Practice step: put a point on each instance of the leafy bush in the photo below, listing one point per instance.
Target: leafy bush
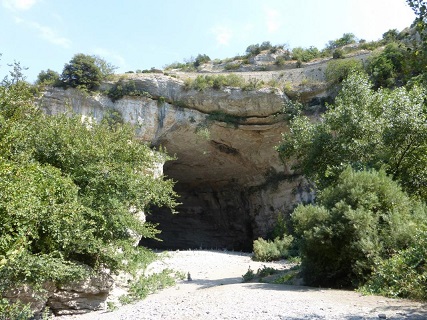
(201, 59)
(203, 82)
(267, 250)
(347, 38)
(389, 66)
(404, 274)
(146, 285)
(338, 70)
(81, 72)
(70, 192)
(126, 88)
(48, 78)
(305, 55)
(14, 311)
(253, 49)
(364, 128)
(338, 54)
(364, 217)
(232, 66)
(249, 275)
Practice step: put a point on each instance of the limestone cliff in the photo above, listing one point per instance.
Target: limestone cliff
(230, 179)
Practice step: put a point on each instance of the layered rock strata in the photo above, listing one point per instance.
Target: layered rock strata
(231, 182)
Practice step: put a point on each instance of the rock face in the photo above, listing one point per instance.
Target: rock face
(76, 298)
(231, 182)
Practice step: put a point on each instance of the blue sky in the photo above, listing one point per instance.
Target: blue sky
(140, 34)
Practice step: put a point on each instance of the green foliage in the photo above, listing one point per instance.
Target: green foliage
(232, 66)
(203, 82)
(113, 118)
(106, 68)
(225, 117)
(267, 250)
(363, 217)
(390, 66)
(305, 55)
(146, 285)
(48, 78)
(280, 227)
(390, 35)
(365, 128)
(70, 193)
(14, 311)
(201, 59)
(126, 88)
(347, 38)
(338, 54)
(253, 49)
(249, 275)
(404, 274)
(338, 70)
(81, 72)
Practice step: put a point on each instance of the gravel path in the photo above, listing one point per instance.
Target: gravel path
(217, 292)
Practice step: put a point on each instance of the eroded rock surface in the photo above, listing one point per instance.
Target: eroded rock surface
(231, 181)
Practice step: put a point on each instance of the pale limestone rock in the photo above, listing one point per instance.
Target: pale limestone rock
(82, 296)
(231, 181)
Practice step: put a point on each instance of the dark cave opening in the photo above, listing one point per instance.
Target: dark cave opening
(210, 217)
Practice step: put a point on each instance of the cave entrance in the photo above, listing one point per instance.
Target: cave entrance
(221, 178)
(210, 217)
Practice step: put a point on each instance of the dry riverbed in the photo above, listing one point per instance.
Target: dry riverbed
(217, 292)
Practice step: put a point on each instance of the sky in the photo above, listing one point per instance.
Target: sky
(141, 34)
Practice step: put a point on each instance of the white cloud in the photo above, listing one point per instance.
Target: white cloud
(273, 20)
(222, 34)
(46, 33)
(19, 4)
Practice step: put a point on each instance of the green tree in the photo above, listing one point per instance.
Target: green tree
(305, 55)
(364, 128)
(253, 49)
(201, 59)
(363, 218)
(347, 38)
(107, 69)
(338, 70)
(390, 35)
(71, 193)
(81, 72)
(390, 66)
(48, 77)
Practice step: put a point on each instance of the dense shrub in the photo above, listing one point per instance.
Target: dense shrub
(203, 82)
(232, 66)
(305, 55)
(269, 250)
(48, 78)
(201, 59)
(338, 70)
(404, 274)
(389, 66)
(81, 72)
(338, 54)
(365, 128)
(126, 88)
(70, 192)
(347, 38)
(364, 217)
